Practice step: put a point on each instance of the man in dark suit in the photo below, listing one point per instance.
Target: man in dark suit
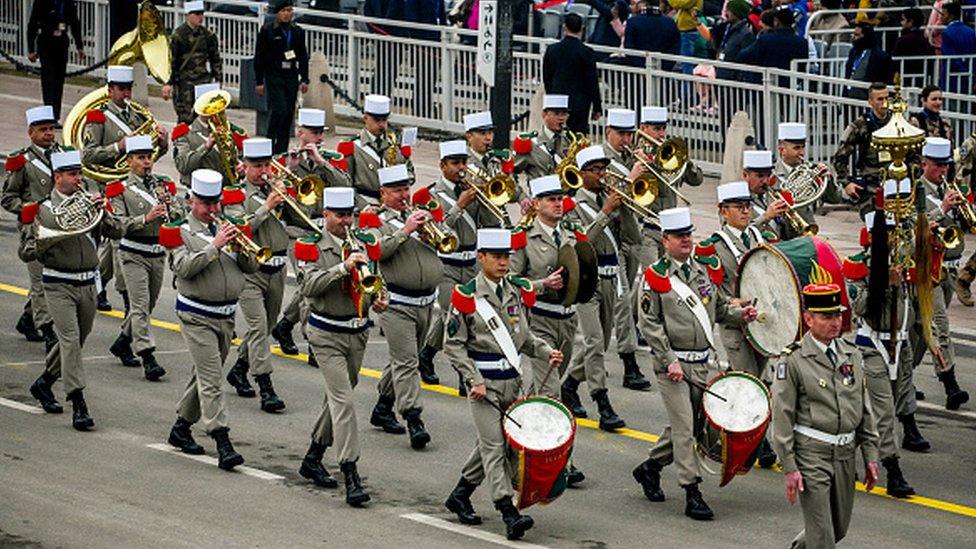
(776, 48)
(50, 24)
(650, 30)
(569, 68)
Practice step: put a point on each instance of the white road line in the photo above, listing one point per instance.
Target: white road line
(468, 531)
(249, 471)
(942, 409)
(20, 406)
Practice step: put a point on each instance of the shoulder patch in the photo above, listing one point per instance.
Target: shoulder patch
(95, 116)
(15, 163)
(705, 248)
(525, 289)
(713, 267)
(856, 267)
(462, 298)
(656, 279)
(179, 131)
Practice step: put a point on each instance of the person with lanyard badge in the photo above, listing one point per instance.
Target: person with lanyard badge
(281, 70)
(196, 147)
(940, 203)
(28, 181)
(371, 150)
(50, 23)
(465, 214)
(263, 290)
(209, 268)
(70, 277)
(411, 271)
(479, 132)
(887, 363)
(736, 237)
(679, 304)
(192, 48)
(619, 134)
(757, 171)
(535, 256)
(486, 334)
(538, 154)
(930, 117)
(308, 159)
(607, 227)
(855, 150)
(821, 414)
(141, 257)
(338, 328)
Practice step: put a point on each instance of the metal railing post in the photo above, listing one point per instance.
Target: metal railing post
(352, 62)
(768, 111)
(447, 82)
(652, 93)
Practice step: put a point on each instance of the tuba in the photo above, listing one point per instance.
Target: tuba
(76, 214)
(213, 105)
(148, 43)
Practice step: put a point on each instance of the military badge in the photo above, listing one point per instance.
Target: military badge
(453, 323)
(781, 370)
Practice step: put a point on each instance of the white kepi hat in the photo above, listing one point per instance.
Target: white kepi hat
(377, 105)
(138, 143)
(622, 119)
(494, 240)
(119, 74)
(392, 176)
(590, 154)
(256, 148)
(676, 220)
(550, 101)
(736, 191)
(195, 6)
(206, 184)
(478, 121)
(545, 186)
(39, 115)
(654, 115)
(757, 160)
(792, 131)
(66, 160)
(938, 149)
(311, 118)
(339, 198)
(453, 148)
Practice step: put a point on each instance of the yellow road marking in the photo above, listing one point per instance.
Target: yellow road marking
(931, 503)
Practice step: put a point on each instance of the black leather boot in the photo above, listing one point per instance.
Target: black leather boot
(282, 334)
(462, 387)
(633, 378)
(765, 455)
(384, 418)
(355, 493)
(913, 441)
(41, 390)
(122, 349)
(516, 524)
(311, 359)
(153, 371)
(125, 301)
(574, 476)
(419, 437)
(459, 502)
(237, 377)
(181, 437)
(312, 467)
(898, 487)
(695, 506)
(102, 303)
(80, 419)
(269, 399)
(570, 397)
(25, 325)
(426, 359)
(955, 397)
(227, 457)
(50, 336)
(648, 475)
(609, 420)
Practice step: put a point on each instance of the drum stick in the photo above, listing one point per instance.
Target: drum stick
(551, 368)
(697, 385)
(497, 407)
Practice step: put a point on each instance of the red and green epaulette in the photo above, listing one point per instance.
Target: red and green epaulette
(170, 235)
(712, 265)
(370, 220)
(114, 188)
(507, 159)
(519, 237)
(577, 228)
(232, 194)
(370, 242)
(706, 248)
(306, 248)
(28, 212)
(568, 204)
(462, 298)
(523, 143)
(423, 199)
(346, 148)
(239, 134)
(525, 289)
(15, 162)
(656, 276)
(95, 116)
(710, 241)
(769, 236)
(179, 131)
(856, 266)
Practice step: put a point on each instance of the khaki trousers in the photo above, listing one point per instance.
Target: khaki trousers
(559, 334)
(827, 498)
(38, 303)
(144, 279)
(208, 340)
(624, 321)
(260, 302)
(73, 311)
(742, 357)
(108, 264)
(880, 389)
(405, 327)
(593, 335)
(339, 356)
(489, 459)
(677, 442)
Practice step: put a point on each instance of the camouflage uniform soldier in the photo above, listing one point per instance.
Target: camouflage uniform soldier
(855, 146)
(966, 164)
(192, 46)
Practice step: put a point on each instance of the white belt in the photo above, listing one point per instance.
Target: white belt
(500, 364)
(422, 301)
(148, 248)
(276, 261)
(608, 270)
(81, 277)
(842, 439)
(866, 331)
(353, 323)
(691, 356)
(226, 310)
(952, 263)
(460, 256)
(554, 308)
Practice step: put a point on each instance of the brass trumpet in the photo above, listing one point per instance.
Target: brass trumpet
(444, 242)
(369, 282)
(637, 195)
(493, 193)
(261, 254)
(965, 210)
(567, 170)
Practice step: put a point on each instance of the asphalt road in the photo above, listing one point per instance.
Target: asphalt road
(116, 487)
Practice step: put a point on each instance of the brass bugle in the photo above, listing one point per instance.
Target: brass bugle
(445, 243)
(261, 254)
(369, 282)
(793, 217)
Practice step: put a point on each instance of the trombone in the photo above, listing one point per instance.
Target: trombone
(444, 242)
(309, 188)
(637, 195)
(493, 193)
(261, 254)
(671, 159)
(286, 175)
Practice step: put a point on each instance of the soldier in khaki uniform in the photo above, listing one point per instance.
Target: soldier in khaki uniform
(965, 166)
(791, 152)
(821, 413)
(195, 147)
(539, 154)
(140, 254)
(29, 180)
(308, 159)
(371, 150)
(940, 203)
(489, 361)
(264, 290)
(608, 226)
(411, 271)
(192, 47)
(679, 305)
(209, 269)
(887, 365)
(338, 329)
(855, 149)
(479, 133)
(70, 278)
(757, 171)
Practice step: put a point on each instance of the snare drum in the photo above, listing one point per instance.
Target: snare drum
(736, 426)
(542, 445)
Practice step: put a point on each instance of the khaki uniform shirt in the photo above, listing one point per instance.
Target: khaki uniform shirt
(32, 182)
(139, 197)
(326, 283)
(406, 261)
(77, 252)
(622, 224)
(191, 152)
(538, 259)
(934, 193)
(204, 273)
(101, 138)
(369, 155)
(548, 150)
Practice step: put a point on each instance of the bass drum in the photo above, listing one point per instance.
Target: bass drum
(774, 276)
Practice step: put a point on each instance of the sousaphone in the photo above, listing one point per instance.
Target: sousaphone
(149, 43)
